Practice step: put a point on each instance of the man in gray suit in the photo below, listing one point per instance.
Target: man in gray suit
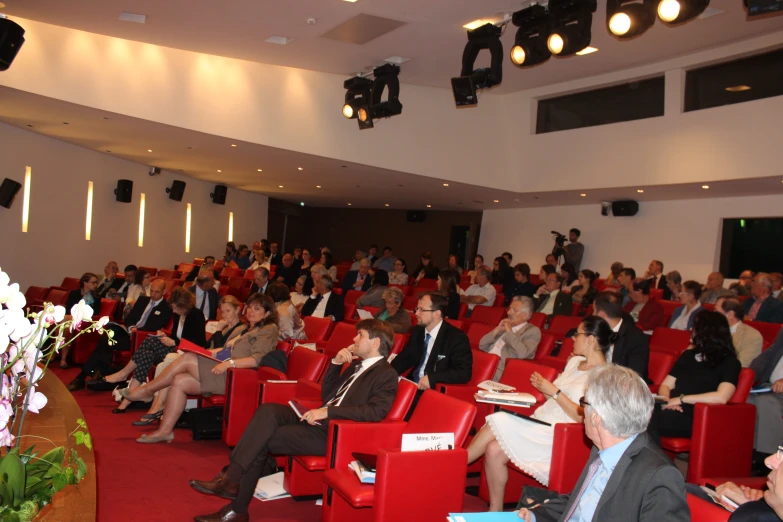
(514, 337)
(628, 477)
(746, 339)
(769, 406)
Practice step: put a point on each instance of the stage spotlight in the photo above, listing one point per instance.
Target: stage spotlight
(571, 21)
(386, 76)
(677, 12)
(357, 94)
(530, 42)
(627, 19)
(464, 87)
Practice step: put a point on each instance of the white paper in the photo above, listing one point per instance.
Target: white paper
(492, 386)
(212, 327)
(427, 441)
(270, 487)
(515, 397)
(309, 346)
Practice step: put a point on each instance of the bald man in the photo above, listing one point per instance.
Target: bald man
(713, 289)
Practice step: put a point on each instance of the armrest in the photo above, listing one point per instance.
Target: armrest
(463, 392)
(347, 436)
(265, 373)
(751, 482)
(321, 345)
(704, 511)
(282, 392)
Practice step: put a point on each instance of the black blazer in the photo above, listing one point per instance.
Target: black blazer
(350, 279)
(214, 300)
(75, 296)
(632, 348)
(562, 303)
(115, 285)
(368, 399)
(276, 259)
(289, 275)
(644, 487)
(667, 294)
(254, 289)
(450, 362)
(334, 306)
(192, 330)
(765, 363)
(158, 318)
(452, 308)
(771, 310)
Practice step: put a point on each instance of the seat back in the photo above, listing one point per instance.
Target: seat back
(169, 274)
(429, 284)
(35, 295)
(660, 365)
(406, 391)
(566, 349)
(306, 364)
(342, 336)
(185, 268)
(538, 319)
(570, 451)
(545, 346)
(487, 314)
(453, 322)
(57, 296)
(400, 340)
(70, 283)
(152, 271)
(656, 294)
(170, 284)
(228, 273)
(351, 296)
(410, 303)
(705, 511)
(769, 331)
(316, 328)
(517, 373)
(670, 340)
(744, 384)
(669, 306)
(476, 331)
(561, 324)
(371, 309)
(439, 413)
(484, 367)
(108, 306)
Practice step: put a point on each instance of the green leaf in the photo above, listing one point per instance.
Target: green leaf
(13, 476)
(81, 469)
(79, 436)
(54, 457)
(88, 441)
(59, 481)
(70, 476)
(81, 423)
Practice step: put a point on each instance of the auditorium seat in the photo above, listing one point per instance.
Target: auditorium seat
(429, 284)
(453, 322)
(670, 340)
(169, 274)
(152, 271)
(545, 345)
(476, 331)
(431, 482)
(656, 294)
(349, 314)
(70, 283)
(198, 261)
(769, 331)
(185, 269)
(219, 264)
(342, 270)
(538, 319)
(410, 303)
(669, 306)
(58, 296)
(317, 328)
(559, 361)
(706, 511)
(351, 296)
(170, 284)
(341, 337)
(659, 367)
(250, 274)
(403, 288)
(484, 367)
(227, 273)
(400, 340)
(561, 324)
(239, 287)
(35, 296)
(85, 344)
(487, 314)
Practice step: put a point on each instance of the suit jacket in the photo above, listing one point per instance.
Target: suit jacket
(350, 279)
(276, 259)
(254, 289)
(771, 310)
(764, 364)
(368, 399)
(667, 294)
(650, 316)
(214, 299)
(76, 295)
(632, 348)
(519, 345)
(562, 303)
(334, 307)
(450, 361)
(747, 342)
(114, 285)
(158, 318)
(192, 330)
(644, 487)
(289, 275)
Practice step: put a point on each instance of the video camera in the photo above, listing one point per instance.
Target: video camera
(560, 239)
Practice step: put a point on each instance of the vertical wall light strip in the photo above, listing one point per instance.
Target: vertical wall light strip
(187, 231)
(28, 178)
(141, 219)
(230, 226)
(88, 224)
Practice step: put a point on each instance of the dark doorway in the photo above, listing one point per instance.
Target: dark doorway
(459, 241)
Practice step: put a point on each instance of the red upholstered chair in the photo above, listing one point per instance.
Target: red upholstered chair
(431, 482)
(169, 274)
(487, 315)
(670, 340)
(476, 331)
(400, 340)
(35, 296)
(545, 345)
(351, 296)
(250, 274)
(152, 271)
(170, 284)
(341, 337)
(239, 287)
(349, 314)
(227, 273)
(85, 344)
(371, 309)
(453, 322)
(70, 283)
(219, 264)
(198, 261)
(769, 331)
(538, 319)
(656, 294)
(342, 270)
(484, 367)
(659, 367)
(705, 511)
(559, 361)
(410, 303)
(317, 328)
(188, 284)
(722, 440)
(404, 288)
(304, 474)
(428, 284)
(669, 306)
(561, 324)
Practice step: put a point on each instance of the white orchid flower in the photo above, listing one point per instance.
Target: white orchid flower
(101, 323)
(52, 314)
(35, 400)
(81, 311)
(16, 299)
(6, 412)
(6, 439)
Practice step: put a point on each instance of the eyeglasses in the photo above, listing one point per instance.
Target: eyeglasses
(423, 310)
(583, 402)
(686, 293)
(577, 334)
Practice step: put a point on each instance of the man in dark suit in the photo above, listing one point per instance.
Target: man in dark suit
(324, 302)
(656, 278)
(260, 281)
(550, 300)
(632, 348)
(109, 280)
(275, 257)
(768, 368)
(437, 352)
(364, 393)
(762, 306)
(149, 314)
(358, 279)
(651, 314)
(754, 505)
(287, 272)
(209, 264)
(207, 298)
(628, 477)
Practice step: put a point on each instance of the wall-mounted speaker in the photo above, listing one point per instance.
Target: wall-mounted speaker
(219, 196)
(8, 191)
(625, 208)
(177, 190)
(11, 39)
(154, 171)
(416, 216)
(124, 190)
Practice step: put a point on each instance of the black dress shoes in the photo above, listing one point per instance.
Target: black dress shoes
(76, 384)
(220, 486)
(224, 515)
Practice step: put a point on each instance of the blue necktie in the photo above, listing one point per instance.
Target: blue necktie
(145, 315)
(423, 361)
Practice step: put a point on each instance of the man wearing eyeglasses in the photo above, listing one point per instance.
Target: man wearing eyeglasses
(514, 337)
(628, 477)
(207, 298)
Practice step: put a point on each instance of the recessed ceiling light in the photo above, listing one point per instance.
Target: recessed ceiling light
(149, 150)
(300, 168)
(259, 170)
(29, 125)
(131, 17)
(280, 186)
(233, 144)
(496, 201)
(396, 60)
(429, 206)
(220, 170)
(279, 40)
(105, 117)
(639, 191)
(385, 204)
(738, 88)
(318, 186)
(349, 204)
(475, 24)
(587, 50)
(705, 187)
(445, 184)
(583, 195)
(65, 123)
(301, 203)
(352, 1)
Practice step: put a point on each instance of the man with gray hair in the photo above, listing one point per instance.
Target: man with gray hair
(514, 337)
(324, 302)
(359, 279)
(482, 293)
(713, 289)
(762, 306)
(628, 476)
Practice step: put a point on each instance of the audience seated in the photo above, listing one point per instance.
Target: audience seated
(478, 262)
(550, 300)
(324, 302)
(209, 264)
(328, 264)
(656, 278)
(372, 254)
(674, 283)
(584, 293)
(298, 297)
(683, 316)
(522, 285)
(551, 260)
(287, 272)
(743, 284)
(768, 368)
(230, 253)
(648, 313)
(762, 306)
(359, 279)
(508, 257)
(448, 286)
(364, 392)
(529, 444)
(140, 287)
(747, 340)
(260, 281)
(289, 324)
(120, 293)
(305, 263)
(706, 372)
(88, 284)
(109, 281)
(626, 279)
(777, 285)
(357, 256)
(502, 274)
(632, 348)
(317, 271)
(756, 505)
(426, 269)
(242, 258)
(374, 295)
(275, 257)
(391, 311)
(713, 289)
(628, 477)
(400, 274)
(195, 375)
(386, 262)
(453, 264)
(259, 260)
(569, 276)
(481, 293)
(514, 337)
(207, 298)
(614, 273)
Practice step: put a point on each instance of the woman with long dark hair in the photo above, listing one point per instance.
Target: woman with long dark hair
(447, 285)
(570, 277)
(426, 269)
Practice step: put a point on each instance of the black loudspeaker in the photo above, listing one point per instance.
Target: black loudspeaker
(625, 208)
(11, 39)
(416, 216)
(177, 190)
(219, 196)
(8, 191)
(124, 190)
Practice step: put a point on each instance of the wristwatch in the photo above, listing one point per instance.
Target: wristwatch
(557, 394)
(233, 364)
(682, 399)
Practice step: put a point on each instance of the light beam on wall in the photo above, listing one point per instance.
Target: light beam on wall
(141, 219)
(230, 226)
(88, 223)
(187, 231)
(28, 178)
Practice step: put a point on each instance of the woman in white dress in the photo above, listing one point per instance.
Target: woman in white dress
(526, 443)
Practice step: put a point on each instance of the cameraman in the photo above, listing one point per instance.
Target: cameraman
(575, 250)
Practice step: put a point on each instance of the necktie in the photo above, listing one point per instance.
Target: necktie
(344, 388)
(423, 362)
(590, 473)
(544, 299)
(203, 301)
(145, 315)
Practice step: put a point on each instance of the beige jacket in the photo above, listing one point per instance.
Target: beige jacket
(519, 345)
(747, 341)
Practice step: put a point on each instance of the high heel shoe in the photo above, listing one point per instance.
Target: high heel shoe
(144, 439)
(148, 418)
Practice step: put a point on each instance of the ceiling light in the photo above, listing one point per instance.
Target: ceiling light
(220, 170)
(571, 23)
(497, 201)
(429, 206)
(587, 50)
(486, 36)
(233, 144)
(676, 12)
(357, 95)
(301, 203)
(279, 40)
(738, 88)
(475, 24)
(352, 1)
(583, 195)
(445, 184)
(260, 170)
(280, 186)
(131, 17)
(349, 204)
(386, 78)
(385, 204)
(705, 187)
(300, 168)
(318, 186)
(149, 150)
(530, 41)
(640, 191)
(627, 19)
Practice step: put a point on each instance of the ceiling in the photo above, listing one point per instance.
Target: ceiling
(200, 156)
(432, 35)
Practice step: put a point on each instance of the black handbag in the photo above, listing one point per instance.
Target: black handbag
(532, 496)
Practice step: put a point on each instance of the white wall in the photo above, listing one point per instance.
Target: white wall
(55, 245)
(685, 234)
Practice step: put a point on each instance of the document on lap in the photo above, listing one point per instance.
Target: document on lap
(187, 346)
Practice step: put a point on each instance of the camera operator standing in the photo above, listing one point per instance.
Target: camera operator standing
(575, 250)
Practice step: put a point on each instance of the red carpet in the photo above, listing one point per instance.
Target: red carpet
(149, 482)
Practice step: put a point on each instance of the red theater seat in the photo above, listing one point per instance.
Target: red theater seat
(152, 271)
(769, 331)
(317, 328)
(561, 324)
(70, 283)
(351, 296)
(670, 340)
(545, 346)
(341, 337)
(538, 320)
(705, 511)
(659, 367)
(484, 367)
(476, 331)
(487, 315)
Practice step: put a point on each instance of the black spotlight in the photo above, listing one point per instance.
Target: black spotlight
(11, 39)
(626, 19)
(386, 77)
(464, 87)
(530, 42)
(358, 91)
(571, 21)
(677, 12)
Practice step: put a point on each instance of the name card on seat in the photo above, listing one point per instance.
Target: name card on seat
(427, 441)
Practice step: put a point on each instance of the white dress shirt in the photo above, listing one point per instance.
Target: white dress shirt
(201, 295)
(365, 364)
(433, 335)
(549, 307)
(611, 348)
(321, 308)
